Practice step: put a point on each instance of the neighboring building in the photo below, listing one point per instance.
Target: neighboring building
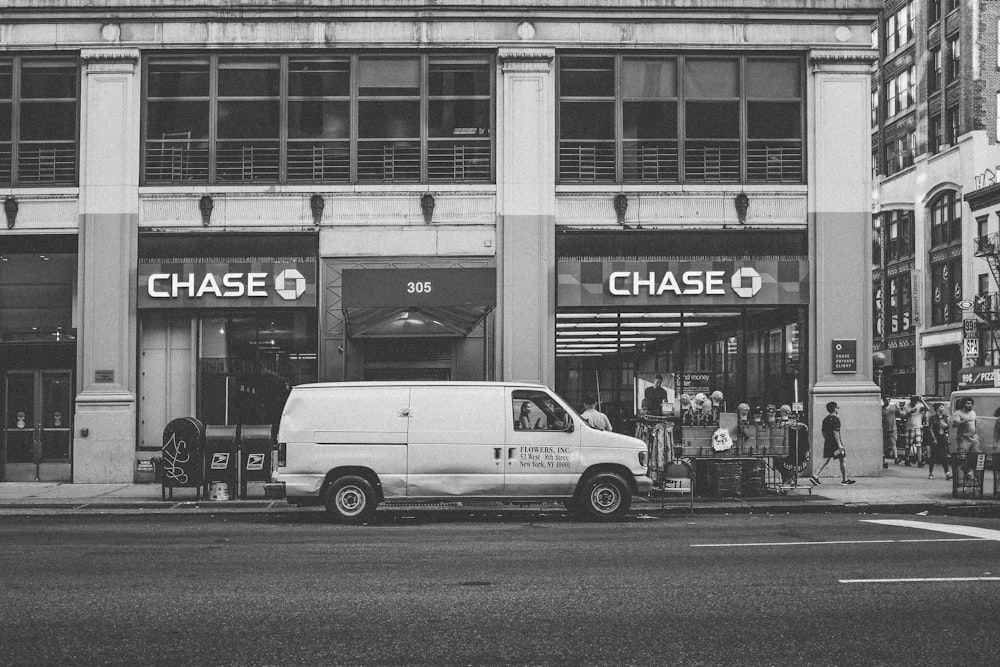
(206, 205)
(936, 96)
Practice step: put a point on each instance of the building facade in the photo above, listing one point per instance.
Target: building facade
(207, 206)
(936, 102)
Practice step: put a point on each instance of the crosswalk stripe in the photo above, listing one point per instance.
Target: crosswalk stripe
(968, 531)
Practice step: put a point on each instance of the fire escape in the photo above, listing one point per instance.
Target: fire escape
(987, 304)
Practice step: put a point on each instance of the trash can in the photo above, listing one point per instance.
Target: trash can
(221, 462)
(256, 444)
(182, 456)
(967, 471)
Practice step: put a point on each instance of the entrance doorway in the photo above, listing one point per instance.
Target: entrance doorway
(37, 427)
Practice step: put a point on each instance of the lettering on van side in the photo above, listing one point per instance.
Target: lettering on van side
(545, 457)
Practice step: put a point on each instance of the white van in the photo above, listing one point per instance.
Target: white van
(353, 445)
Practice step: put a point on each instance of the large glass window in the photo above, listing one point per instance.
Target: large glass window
(696, 119)
(38, 121)
(350, 118)
(946, 291)
(900, 92)
(955, 58)
(935, 73)
(946, 219)
(899, 226)
(899, 28)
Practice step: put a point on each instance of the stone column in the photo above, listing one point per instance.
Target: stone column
(840, 239)
(526, 215)
(109, 207)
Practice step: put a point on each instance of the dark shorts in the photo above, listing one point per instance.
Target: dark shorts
(829, 448)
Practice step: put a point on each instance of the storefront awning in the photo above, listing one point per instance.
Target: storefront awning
(390, 303)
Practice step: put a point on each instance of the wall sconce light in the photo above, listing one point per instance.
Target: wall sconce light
(316, 205)
(742, 205)
(427, 207)
(205, 205)
(621, 205)
(10, 210)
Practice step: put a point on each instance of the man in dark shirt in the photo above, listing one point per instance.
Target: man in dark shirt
(833, 446)
(655, 396)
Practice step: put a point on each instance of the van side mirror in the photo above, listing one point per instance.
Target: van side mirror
(570, 427)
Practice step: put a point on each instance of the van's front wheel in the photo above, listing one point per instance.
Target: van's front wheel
(605, 497)
(351, 499)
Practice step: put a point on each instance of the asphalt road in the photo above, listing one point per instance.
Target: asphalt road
(434, 590)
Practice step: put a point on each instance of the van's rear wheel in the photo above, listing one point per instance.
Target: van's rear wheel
(351, 499)
(604, 497)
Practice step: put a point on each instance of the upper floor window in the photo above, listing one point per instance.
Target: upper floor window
(900, 92)
(38, 121)
(898, 226)
(875, 107)
(935, 132)
(935, 72)
(933, 11)
(899, 28)
(946, 291)
(876, 241)
(954, 125)
(346, 119)
(899, 152)
(955, 55)
(946, 218)
(696, 119)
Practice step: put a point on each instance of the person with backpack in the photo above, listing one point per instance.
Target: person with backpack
(594, 417)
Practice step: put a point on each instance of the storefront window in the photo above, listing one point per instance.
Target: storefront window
(337, 119)
(620, 119)
(38, 121)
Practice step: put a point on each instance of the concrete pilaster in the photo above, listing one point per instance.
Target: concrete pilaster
(840, 235)
(109, 205)
(526, 219)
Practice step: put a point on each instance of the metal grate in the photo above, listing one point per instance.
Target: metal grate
(246, 160)
(170, 160)
(586, 162)
(319, 161)
(774, 163)
(712, 161)
(459, 161)
(650, 161)
(5, 162)
(52, 162)
(388, 161)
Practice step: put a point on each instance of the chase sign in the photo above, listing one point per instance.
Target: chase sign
(239, 283)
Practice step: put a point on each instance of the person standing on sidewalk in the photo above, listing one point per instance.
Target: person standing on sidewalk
(594, 417)
(939, 441)
(890, 433)
(914, 430)
(833, 445)
(964, 421)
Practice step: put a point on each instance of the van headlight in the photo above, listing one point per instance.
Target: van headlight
(643, 456)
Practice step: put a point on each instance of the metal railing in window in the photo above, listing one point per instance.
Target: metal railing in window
(388, 161)
(244, 160)
(460, 161)
(987, 306)
(46, 162)
(313, 160)
(987, 245)
(651, 160)
(175, 158)
(587, 162)
(6, 157)
(712, 161)
(774, 162)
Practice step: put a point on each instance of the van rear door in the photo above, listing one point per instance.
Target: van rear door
(542, 457)
(456, 441)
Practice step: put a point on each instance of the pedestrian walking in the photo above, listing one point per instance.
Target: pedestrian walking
(964, 421)
(938, 425)
(833, 445)
(890, 432)
(594, 417)
(914, 430)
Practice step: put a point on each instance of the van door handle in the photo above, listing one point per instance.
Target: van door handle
(496, 453)
(510, 452)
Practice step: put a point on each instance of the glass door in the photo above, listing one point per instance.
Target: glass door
(37, 427)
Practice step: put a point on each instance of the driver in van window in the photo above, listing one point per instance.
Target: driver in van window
(524, 418)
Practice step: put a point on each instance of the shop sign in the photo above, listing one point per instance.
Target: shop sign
(696, 382)
(413, 288)
(901, 343)
(970, 329)
(227, 282)
(845, 355)
(680, 280)
(970, 348)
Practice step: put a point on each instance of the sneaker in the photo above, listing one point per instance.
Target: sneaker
(930, 476)
(847, 482)
(815, 481)
(947, 475)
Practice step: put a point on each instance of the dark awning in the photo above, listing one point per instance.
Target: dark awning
(384, 303)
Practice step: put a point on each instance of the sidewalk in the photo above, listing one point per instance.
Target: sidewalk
(899, 489)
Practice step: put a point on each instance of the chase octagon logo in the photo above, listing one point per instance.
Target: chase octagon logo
(746, 282)
(290, 284)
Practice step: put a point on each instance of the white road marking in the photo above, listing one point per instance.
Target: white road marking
(807, 544)
(968, 531)
(915, 580)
